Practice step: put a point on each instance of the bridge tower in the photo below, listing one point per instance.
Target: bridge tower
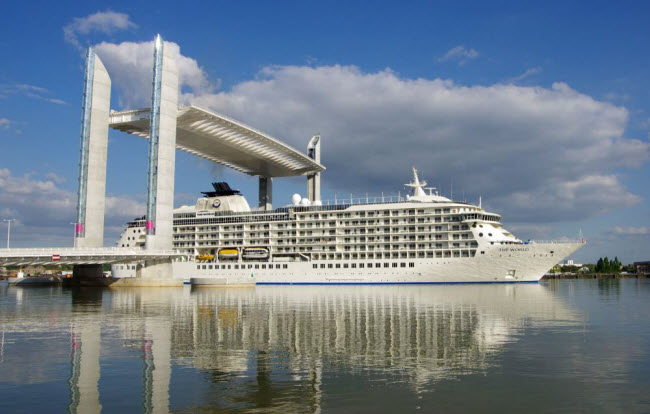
(89, 226)
(162, 159)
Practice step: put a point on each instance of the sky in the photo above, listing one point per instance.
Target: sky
(542, 110)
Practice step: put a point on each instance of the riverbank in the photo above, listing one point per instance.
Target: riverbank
(596, 276)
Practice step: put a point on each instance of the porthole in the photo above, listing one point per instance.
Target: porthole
(490, 234)
(480, 234)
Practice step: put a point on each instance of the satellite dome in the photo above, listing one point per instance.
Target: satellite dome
(295, 199)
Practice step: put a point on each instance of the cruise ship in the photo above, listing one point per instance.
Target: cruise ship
(421, 238)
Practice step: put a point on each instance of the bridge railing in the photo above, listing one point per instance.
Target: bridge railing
(72, 251)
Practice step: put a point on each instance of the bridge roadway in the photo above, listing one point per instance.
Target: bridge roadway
(53, 256)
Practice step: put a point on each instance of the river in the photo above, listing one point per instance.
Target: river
(561, 345)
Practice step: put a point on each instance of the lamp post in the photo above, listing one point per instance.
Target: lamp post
(8, 229)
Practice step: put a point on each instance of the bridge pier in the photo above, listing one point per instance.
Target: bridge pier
(265, 194)
(155, 269)
(88, 275)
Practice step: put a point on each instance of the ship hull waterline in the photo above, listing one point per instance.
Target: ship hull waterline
(525, 263)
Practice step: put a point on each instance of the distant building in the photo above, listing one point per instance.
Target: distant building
(642, 267)
(570, 262)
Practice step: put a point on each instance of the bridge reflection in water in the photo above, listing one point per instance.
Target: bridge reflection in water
(269, 346)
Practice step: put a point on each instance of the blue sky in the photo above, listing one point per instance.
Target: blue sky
(543, 110)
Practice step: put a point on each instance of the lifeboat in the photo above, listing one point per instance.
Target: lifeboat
(228, 254)
(205, 257)
(255, 253)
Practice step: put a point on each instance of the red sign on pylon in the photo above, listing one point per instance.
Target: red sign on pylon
(56, 257)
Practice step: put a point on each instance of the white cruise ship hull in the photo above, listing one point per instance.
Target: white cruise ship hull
(499, 264)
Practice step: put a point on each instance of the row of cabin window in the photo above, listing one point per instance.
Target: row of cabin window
(236, 266)
(360, 265)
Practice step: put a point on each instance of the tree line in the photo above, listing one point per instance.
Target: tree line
(604, 265)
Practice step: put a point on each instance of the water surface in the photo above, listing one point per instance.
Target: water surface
(572, 346)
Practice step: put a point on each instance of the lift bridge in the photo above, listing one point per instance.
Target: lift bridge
(168, 127)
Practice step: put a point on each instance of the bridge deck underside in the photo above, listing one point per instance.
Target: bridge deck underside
(225, 141)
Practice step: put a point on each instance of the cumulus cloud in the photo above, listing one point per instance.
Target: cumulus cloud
(129, 65)
(56, 178)
(459, 54)
(31, 91)
(536, 153)
(569, 199)
(533, 153)
(631, 231)
(105, 22)
(43, 210)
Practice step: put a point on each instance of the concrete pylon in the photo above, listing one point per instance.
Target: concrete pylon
(265, 194)
(313, 180)
(162, 157)
(89, 227)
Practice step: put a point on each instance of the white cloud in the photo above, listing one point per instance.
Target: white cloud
(631, 231)
(618, 97)
(129, 65)
(4, 123)
(569, 199)
(56, 178)
(30, 91)
(459, 54)
(105, 22)
(44, 211)
(536, 154)
(527, 73)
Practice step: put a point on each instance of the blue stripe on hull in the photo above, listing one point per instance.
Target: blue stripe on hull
(395, 283)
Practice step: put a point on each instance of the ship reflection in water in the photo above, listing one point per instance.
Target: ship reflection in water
(281, 348)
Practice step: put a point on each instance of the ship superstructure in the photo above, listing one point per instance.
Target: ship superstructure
(420, 238)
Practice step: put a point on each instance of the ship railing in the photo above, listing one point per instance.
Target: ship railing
(343, 203)
(562, 241)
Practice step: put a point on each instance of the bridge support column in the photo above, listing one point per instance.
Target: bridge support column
(313, 180)
(89, 271)
(162, 158)
(88, 275)
(265, 194)
(89, 227)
